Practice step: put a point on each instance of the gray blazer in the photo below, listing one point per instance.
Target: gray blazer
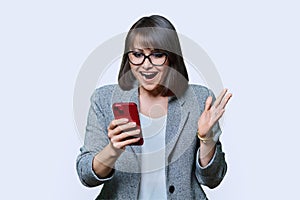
(184, 175)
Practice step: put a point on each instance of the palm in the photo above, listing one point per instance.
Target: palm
(212, 113)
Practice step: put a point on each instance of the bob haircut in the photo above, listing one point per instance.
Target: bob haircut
(156, 32)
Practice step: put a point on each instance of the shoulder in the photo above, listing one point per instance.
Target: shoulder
(195, 97)
(104, 93)
(105, 90)
(198, 93)
(200, 90)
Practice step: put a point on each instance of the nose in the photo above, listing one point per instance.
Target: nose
(147, 64)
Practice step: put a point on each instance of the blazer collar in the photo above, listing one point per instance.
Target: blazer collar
(177, 116)
(133, 95)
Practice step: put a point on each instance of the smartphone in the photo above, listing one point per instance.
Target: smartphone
(129, 110)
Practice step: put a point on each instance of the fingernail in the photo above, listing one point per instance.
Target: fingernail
(132, 123)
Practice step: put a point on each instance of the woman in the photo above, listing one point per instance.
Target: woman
(179, 123)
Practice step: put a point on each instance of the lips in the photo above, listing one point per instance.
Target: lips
(149, 75)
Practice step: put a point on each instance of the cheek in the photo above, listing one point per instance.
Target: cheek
(134, 70)
(133, 67)
(165, 67)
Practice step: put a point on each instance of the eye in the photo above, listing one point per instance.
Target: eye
(137, 54)
(158, 55)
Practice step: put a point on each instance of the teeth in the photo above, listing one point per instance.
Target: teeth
(149, 75)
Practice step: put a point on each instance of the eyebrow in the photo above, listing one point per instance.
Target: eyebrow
(138, 49)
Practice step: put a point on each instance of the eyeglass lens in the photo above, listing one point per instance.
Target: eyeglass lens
(156, 58)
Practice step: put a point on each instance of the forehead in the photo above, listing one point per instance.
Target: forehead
(144, 42)
(153, 38)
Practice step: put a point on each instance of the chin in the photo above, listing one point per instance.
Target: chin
(149, 88)
(154, 90)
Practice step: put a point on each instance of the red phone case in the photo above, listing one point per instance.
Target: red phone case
(128, 110)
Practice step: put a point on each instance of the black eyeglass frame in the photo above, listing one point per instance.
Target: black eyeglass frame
(165, 53)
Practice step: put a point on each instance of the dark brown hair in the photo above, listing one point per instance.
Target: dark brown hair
(156, 32)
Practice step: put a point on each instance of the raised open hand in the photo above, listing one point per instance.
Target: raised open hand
(212, 113)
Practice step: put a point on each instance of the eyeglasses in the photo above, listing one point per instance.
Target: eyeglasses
(155, 58)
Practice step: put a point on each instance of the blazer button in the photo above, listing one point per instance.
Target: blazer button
(171, 189)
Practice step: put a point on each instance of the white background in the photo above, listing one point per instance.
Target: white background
(254, 45)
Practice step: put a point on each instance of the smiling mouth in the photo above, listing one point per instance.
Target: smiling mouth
(149, 75)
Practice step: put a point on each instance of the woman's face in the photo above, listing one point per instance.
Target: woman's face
(148, 74)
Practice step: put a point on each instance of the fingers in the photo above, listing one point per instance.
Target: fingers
(117, 122)
(125, 138)
(219, 114)
(220, 108)
(219, 105)
(220, 97)
(119, 128)
(122, 133)
(222, 100)
(225, 101)
(123, 144)
(208, 103)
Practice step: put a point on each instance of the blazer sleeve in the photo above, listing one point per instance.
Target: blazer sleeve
(95, 140)
(212, 174)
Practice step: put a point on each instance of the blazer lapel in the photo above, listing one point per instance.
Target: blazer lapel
(128, 96)
(131, 156)
(176, 119)
(135, 98)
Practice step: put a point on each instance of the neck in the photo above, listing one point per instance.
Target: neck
(153, 106)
